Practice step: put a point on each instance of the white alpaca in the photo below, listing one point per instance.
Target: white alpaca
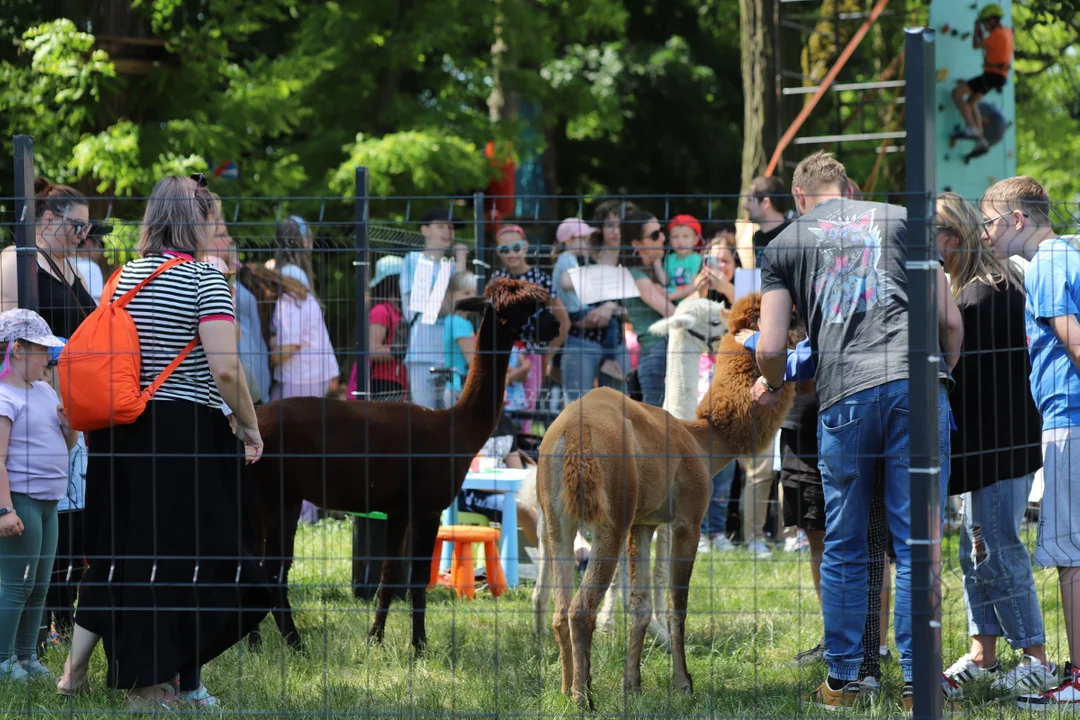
(694, 329)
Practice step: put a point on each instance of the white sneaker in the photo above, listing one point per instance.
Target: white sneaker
(797, 542)
(962, 672)
(35, 669)
(1065, 696)
(702, 544)
(759, 549)
(720, 543)
(199, 698)
(1027, 678)
(10, 669)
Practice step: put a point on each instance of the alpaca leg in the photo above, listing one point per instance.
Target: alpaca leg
(661, 572)
(396, 528)
(542, 592)
(284, 616)
(607, 545)
(560, 556)
(605, 619)
(640, 607)
(684, 550)
(424, 530)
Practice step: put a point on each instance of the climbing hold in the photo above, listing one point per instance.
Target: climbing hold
(947, 188)
(946, 28)
(941, 107)
(943, 74)
(965, 36)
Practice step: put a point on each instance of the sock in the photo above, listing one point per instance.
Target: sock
(835, 684)
(883, 650)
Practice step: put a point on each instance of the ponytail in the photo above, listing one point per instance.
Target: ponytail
(54, 198)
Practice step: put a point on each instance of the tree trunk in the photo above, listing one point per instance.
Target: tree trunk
(759, 97)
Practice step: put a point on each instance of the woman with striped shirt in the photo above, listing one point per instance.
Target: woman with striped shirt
(168, 489)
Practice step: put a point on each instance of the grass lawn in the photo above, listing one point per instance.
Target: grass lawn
(747, 618)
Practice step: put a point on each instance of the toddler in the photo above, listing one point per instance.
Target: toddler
(683, 263)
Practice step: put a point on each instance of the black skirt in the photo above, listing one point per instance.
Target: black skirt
(173, 581)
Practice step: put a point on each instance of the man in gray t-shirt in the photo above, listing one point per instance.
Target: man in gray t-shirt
(843, 265)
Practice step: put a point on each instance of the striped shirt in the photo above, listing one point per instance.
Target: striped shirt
(167, 313)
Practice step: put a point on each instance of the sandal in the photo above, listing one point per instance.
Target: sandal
(163, 700)
(81, 688)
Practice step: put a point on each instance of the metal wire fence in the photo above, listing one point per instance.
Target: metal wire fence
(752, 609)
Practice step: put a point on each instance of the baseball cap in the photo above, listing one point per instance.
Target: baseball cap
(23, 324)
(439, 214)
(386, 266)
(687, 221)
(572, 227)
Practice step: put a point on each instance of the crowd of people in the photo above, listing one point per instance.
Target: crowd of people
(840, 471)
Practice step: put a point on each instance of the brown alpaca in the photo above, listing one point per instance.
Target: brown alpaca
(400, 459)
(622, 468)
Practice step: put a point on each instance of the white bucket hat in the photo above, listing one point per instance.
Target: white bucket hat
(386, 266)
(22, 324)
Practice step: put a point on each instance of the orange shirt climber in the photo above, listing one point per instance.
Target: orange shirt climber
(998, 51)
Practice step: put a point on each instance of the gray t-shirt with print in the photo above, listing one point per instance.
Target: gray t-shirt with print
(844, 264)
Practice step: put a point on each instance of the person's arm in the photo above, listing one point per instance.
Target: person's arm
(218, 339)
(661, 273)
(379, 349)
(773, 341)
(10, 524)
(519, 373)
(70, 436)
(950, 324)
(977, 39)
(286, 329)
(684, 292)
(654, 295)
(1067, 330)
(559, 311)
(467, 345)
(461, 257)
(9, 281)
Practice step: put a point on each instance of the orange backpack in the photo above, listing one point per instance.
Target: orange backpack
(100, 365)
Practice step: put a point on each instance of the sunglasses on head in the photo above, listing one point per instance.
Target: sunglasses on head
(516, 247)
(200, 179)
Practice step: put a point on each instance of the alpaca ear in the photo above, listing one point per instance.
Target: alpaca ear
(665, 326)
(474, 304)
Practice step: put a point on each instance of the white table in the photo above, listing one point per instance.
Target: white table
(502, 480)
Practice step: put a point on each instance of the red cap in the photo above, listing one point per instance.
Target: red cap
(687, 220)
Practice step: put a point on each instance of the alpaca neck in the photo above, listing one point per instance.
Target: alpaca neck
(714, 444)
(478, 409)
(682, 378)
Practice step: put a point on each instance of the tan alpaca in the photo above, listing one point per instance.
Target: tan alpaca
(622, 468)
(693, 330)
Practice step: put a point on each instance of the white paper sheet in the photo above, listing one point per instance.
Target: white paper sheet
(747, 281)
(428, 304)
(597, 283)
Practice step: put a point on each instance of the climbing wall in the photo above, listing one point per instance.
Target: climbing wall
(954, 21)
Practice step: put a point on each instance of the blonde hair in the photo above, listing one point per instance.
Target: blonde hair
(459, 283)
(972, 261)
(177, 217)
(1020, 193)
(818, 171)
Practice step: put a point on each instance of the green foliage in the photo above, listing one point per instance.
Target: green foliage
(413, 163)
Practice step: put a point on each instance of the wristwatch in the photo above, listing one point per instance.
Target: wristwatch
(6, 510)
(769, 387)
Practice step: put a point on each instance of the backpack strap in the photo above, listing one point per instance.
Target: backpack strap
(164, 375)
(114, 280)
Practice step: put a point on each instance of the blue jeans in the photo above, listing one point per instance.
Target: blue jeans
(581, 360)
(715, 521)
(652, 374)
(858, 438)
(999, 587)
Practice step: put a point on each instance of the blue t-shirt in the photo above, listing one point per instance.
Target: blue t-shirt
(456, 327)
(425, 341)
(1052, 283)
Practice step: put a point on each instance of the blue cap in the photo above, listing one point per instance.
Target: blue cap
(54, 352)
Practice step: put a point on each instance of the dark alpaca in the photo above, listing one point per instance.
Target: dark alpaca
(397, 458)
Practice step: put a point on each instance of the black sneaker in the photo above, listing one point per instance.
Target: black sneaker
(813, 656)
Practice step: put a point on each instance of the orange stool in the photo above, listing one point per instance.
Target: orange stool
(461, 573)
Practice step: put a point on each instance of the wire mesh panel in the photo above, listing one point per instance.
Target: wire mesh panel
(504, 480)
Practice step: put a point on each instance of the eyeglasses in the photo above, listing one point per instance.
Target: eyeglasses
(81, 227)
(987, 223)
(516, 247)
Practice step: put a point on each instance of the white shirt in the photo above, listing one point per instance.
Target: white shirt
(92, 277)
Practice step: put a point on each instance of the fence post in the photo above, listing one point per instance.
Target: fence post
(365, 564)
(923, 361)
(481, 250)
(25, 222)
